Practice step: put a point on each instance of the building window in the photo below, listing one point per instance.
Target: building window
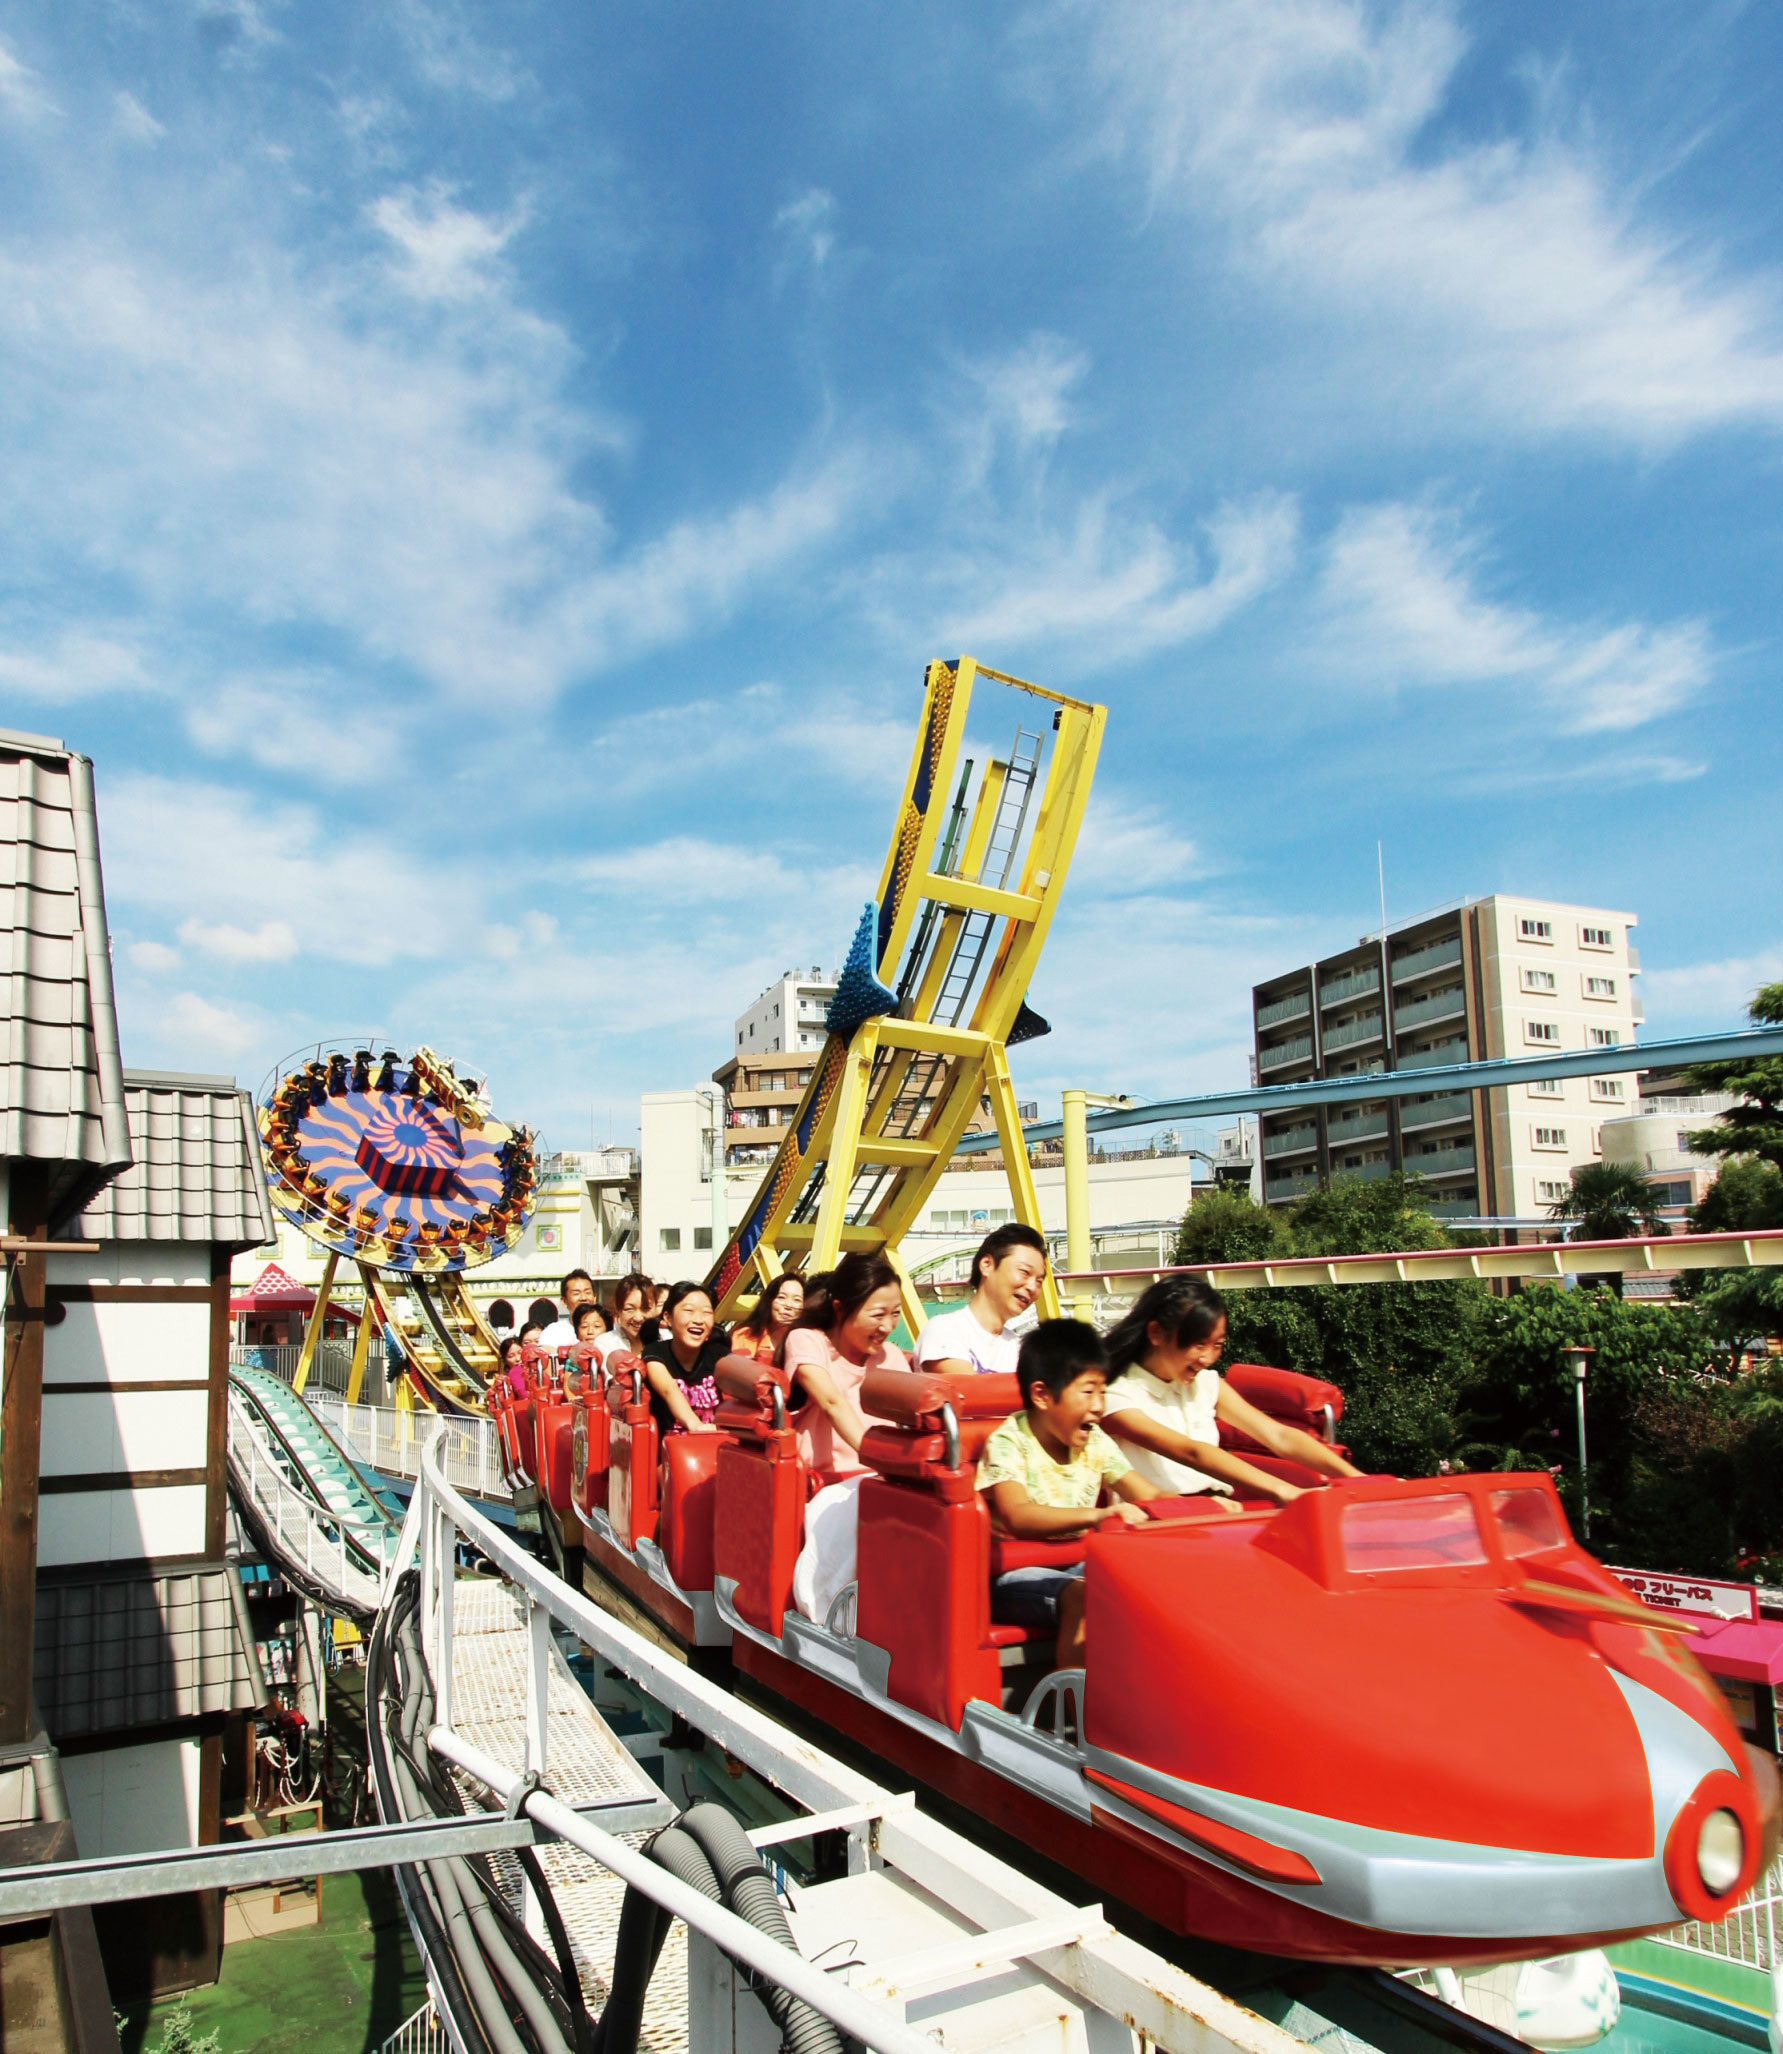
(1538, 980)
(1550, 1137)
(1535, 930)
(1541, 1030)
(1674, 1194)
(1550, 1190)
(1595, 938)
(1600, 987)
(702, 1238)
(1608, 1087)
(1603, 1037)
(1547, 1087)
(668, 1240)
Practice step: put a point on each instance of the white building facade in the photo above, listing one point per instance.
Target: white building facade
(788, 1016)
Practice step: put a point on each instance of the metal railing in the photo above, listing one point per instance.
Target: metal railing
(1748, 1934)
(1440, 1005)
(1351, 985)
(1437, 956)
(420, 2034)
(1298, 1050)
(383, 1438)
(1366, 1027)
(329, 1371)
(1072, 1944)
(1295, 1006)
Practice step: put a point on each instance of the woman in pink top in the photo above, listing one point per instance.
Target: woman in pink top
(841, 1335)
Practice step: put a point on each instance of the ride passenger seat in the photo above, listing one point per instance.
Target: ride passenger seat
(1307, 1402)
(924, 1560)
(760, 1490)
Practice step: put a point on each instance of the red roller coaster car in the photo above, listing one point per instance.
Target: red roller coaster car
(1401, 1722)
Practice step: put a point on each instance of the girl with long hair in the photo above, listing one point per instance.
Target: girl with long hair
(1167, 1401)
(843, 1332)
(681, 1364)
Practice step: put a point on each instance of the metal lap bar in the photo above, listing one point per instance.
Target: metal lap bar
(122, 1878)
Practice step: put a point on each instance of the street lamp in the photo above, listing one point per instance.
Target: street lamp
(1578, 1360)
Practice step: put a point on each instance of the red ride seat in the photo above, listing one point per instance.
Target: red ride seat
(760, 1487)
(687, 1517)
(589, 1453)
(632, 1453)
(925, 1539)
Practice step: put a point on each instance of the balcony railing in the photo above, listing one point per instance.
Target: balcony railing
(1277, 1189)
(1366, 1127)
(1367, 1028)
(1441, 1162)
(1438, 956)
(1452, 1051)
(1352, 984)
(1440, 1005)
(1435, 1112)
(1292, 1142)
(1295, 1006)
(1299, 1050)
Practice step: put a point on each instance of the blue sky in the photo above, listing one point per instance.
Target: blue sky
(483, 485)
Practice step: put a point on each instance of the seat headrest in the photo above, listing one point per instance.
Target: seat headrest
(914, 1398)
(1284, 1393)
(749, 1381)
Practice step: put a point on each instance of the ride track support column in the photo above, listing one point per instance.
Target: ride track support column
(1076, 1140)
(312, 1333)
(361, 1351)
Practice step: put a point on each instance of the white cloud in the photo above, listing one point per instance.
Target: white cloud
(276, 717)
(1401, 591)
(689, 870)
(1508, 282)
(271, 942)
(1020, 401)
(22, 91)
(281, 446)
(1129, 848)
(1705, 996)
(193, 1028)
(72, 665)
(135, 120)
(449, 55)
(247, 879)
(1114, 587)
(446, 250)
(807, 226)
(153, 958)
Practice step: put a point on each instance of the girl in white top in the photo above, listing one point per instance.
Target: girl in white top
(1167, 1401)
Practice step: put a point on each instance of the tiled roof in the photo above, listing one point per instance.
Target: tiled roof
(196, 1174)
(116, 1652)
(61, 1080)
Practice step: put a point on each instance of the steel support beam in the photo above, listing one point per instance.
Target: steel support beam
(123, 1878)
(1739, 1046)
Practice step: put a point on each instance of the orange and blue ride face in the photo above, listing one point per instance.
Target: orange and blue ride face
(1412, 1721)
(403, 1172)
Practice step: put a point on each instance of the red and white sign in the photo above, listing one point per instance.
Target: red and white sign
(1699, 1594)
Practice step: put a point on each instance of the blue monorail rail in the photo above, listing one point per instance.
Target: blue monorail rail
(1622, 1060)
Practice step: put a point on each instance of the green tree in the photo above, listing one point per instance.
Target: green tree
(1224, 1225)
(1754, 1127)
(1518, 1404)
(1610, 1202)
(1398, 1352)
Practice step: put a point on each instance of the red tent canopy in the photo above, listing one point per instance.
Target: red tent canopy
(275, 1291)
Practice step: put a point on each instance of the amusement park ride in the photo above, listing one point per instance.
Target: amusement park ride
(1394, 1722)
(399, 1168)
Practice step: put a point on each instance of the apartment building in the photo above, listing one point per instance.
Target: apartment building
(789, 1015)
(1491, 977)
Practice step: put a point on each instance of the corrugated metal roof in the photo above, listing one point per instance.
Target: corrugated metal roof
(116, 1652)
(61, 1077)
(196, 1174)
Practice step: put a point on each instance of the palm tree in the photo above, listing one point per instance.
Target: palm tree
(1609, 1202)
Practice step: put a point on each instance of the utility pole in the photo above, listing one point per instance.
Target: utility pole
(1076, 1140)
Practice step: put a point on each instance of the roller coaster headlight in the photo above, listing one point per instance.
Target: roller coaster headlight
(1711, 1851)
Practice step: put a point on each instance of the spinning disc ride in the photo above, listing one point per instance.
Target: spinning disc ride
(398, 1166)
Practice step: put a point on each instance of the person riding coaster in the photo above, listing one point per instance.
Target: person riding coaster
(1291, 1723)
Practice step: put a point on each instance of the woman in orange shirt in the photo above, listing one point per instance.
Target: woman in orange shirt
(763, 1333)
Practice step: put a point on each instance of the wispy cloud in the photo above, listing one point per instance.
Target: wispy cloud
(444, 251)
(1691, 995)
(1404, 606)
(1509, 282)
(271, 942)
(70, 664)
(22, 91)
(1115, 586)
(452, 56)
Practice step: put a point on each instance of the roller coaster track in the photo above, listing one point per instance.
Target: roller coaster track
(309, 1506)
(446, 1346)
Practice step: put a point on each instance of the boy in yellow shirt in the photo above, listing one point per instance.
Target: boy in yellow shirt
(1044, 1470)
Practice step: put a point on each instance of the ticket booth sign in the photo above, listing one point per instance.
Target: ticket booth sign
(1701, 1595)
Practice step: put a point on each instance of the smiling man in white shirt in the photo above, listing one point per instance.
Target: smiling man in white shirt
(974, 1338)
